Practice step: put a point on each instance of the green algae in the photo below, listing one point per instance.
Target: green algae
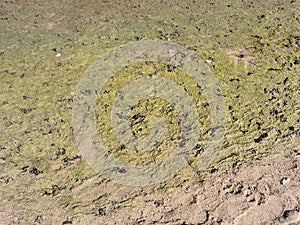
(147, 109)
(262, 95)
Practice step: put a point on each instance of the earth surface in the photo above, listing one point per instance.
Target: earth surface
(252, 48)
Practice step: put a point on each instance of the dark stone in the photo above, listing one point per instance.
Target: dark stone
(158, 203)
(252, 150)
(24, 168)
(35, 171)
(261, 137)
(25, 111)
(234, 118)
(101, 212)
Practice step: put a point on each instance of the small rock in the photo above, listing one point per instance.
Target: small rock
(35, 171)
(285, 180)
(2, 160)
(56, 167)
(251, 198)
(158, 203)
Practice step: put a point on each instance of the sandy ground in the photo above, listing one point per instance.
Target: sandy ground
(251, 47)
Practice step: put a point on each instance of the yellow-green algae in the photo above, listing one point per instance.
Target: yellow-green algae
(147, 109)
(38, 87)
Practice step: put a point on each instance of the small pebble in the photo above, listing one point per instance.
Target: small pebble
(58, 55)
(285, 180)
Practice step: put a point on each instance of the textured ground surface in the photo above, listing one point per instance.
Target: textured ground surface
(251, 46)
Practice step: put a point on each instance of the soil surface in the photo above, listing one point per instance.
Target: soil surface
(253, 49)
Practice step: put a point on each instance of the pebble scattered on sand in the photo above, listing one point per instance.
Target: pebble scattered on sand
(285, 180)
